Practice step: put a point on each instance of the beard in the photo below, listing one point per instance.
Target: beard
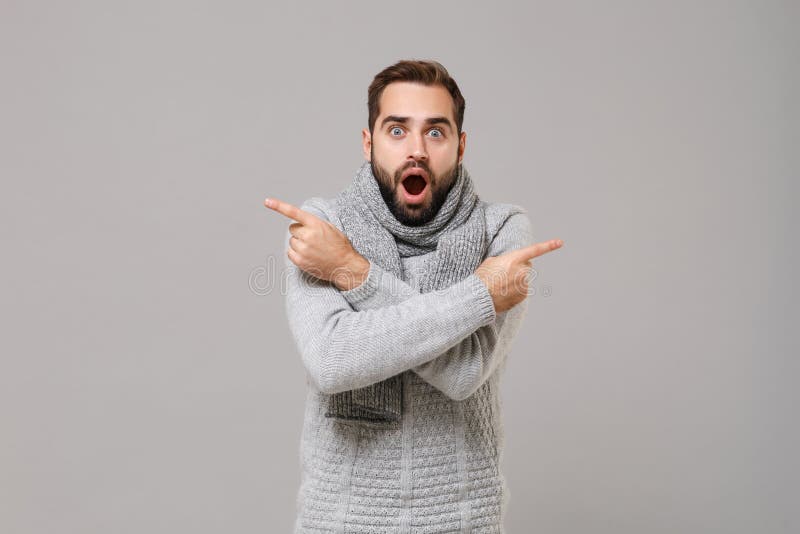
(388, 185)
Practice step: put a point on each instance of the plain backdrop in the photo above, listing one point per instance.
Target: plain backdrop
(148, 380)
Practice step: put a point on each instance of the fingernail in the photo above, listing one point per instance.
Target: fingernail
(268, 202)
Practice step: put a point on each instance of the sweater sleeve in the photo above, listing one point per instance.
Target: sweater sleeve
(463, 368)
(460, 370)
(343, 348)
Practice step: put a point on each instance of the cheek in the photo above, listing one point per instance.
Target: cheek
(444, 155)
(386, 151)
(445, 148)
(391, 161)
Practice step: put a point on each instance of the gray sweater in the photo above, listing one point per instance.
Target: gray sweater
(438, 469)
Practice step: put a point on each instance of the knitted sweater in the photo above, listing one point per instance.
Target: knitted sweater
(438, 469)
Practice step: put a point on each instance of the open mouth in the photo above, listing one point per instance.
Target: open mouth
(415, 185)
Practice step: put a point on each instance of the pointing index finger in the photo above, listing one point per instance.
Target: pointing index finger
(291, 211)
(537, 249)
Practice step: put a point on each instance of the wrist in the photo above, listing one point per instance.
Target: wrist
(353, 274)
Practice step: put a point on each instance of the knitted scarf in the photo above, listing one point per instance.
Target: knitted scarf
(458, 235)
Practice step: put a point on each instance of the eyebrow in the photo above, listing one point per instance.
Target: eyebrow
(429, 120)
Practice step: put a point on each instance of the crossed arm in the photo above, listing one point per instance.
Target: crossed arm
(452, 338)
(460, 370)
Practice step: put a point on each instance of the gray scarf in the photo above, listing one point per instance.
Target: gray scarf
(458, 235)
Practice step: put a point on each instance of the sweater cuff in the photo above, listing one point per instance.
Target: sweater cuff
(367, 288)
(484, 304)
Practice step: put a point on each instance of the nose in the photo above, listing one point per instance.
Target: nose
(418, 150)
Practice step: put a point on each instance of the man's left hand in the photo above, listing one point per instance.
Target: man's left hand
(320, 249)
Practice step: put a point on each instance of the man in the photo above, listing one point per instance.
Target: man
(404, 294)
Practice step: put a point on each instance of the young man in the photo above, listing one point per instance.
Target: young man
(404, 295)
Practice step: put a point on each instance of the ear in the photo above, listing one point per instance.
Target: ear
(462, 145)
(366, 142)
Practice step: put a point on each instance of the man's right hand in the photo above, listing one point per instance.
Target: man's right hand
(506, 276)
(319, 248)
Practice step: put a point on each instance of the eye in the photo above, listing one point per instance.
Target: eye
(436, 131)
(395, 130)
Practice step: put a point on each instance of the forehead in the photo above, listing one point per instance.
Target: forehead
(415, 100)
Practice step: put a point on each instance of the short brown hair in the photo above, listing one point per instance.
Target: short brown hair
(419, 71)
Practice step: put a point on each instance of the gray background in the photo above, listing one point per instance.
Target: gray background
(148, 382)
